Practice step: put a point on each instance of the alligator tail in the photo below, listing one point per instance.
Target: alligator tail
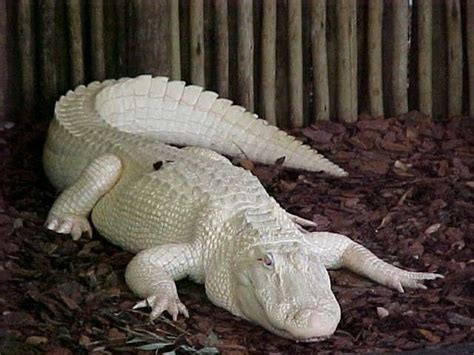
(178, 114)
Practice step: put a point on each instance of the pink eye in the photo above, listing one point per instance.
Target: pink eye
(267, 260)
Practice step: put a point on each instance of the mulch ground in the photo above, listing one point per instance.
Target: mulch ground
(409, 198)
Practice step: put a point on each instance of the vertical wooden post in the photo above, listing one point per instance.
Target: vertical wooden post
(222, 34)
(453, 22)
(47, 79)
(27, 56)
(320, 60)
(175, 40)
(6, 104)
(400, 57)
(332, 55)
(151, 44)
(375, 57)
(246, 48)
(425, 39)
(196, 14)
(470, 53)
(268, 88)
(111, 42)
(97, 39)
(61, 40)
(295, 49)
(75, 41)
(439, 59)
(121, 18)
(346, 17)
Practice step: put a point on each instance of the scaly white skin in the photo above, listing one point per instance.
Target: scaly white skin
(198, 215)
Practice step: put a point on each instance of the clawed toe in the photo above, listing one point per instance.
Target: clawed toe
(74, 225)
(414, 280)
(160, 304)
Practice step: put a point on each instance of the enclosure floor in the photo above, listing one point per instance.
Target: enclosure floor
(409, 198)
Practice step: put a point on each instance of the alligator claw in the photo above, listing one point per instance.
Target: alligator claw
(412, 280)
(165, 301)
(72, 224)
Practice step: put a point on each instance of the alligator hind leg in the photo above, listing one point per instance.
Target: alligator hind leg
(339, 251)
(152, 272)
(70, 210)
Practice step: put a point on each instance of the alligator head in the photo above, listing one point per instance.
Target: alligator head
(286, 290)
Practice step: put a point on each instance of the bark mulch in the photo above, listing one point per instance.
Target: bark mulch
(409, 198)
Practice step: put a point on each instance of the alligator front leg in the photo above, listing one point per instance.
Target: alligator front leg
(152, 272)
(70, 210)
(339, 251)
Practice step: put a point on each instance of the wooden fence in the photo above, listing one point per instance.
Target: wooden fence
(294, 62)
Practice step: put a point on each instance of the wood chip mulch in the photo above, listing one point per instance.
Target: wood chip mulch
(409, 198)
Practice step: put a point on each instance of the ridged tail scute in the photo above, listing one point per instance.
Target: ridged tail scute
(174, 113)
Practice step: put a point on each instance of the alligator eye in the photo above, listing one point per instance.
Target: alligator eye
(267, 260)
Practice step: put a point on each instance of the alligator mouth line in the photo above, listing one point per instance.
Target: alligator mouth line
(285, 334)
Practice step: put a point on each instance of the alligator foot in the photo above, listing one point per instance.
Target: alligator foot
(71, 224)
(410, 279)
(165, 299)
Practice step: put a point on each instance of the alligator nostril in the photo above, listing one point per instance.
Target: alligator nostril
(312, 324)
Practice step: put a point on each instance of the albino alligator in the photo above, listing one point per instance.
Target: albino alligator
(190, 212)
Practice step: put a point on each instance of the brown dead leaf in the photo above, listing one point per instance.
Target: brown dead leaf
(59, 351)
(317, 135)
(247, 164)
(36, 340)
(429, 335)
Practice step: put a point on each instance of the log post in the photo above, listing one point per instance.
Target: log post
(440, 60)
(48, 79)
(320, 60)
(97, 39)
(222, 41)
(245, 56)
(453, 23)
(400, 57)
(268, 88)
(75, 42)
(295, 49)
(346, 17)
(196, 24)
(375, 58)
(470, 53)
(27, 56)
(175, 53)
(425, 39)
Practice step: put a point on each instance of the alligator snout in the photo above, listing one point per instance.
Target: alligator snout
(313, 325)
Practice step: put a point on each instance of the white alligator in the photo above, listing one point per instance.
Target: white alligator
(190, 213)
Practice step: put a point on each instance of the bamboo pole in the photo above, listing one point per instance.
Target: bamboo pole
(222, 33)
(320, 60)
(295, 47)
(196, 14)
(174, 40)
(27, 56)
(48, 80)
(425, 43)
(470, 54)
(346, 17)
(375, 57)
(245, 50)
(400, 57)
(268, 88)
(97, 39)
(75, 41)
(453, 22)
